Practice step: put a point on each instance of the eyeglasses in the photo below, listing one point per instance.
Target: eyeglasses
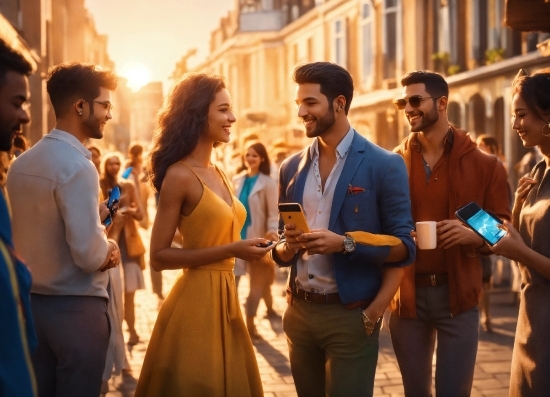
(108, 106)
(414, 101)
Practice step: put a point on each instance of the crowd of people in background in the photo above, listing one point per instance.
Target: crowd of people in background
(70, 269)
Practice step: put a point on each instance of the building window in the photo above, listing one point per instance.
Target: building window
(367, 45)
(479, 34)
(391, 37)
(340, 43)
(445, 45)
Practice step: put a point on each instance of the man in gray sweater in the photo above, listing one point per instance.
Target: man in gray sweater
(54, 191)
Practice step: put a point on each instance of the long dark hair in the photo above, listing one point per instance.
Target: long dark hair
(265, 165)
(534, 90)
(181, 122)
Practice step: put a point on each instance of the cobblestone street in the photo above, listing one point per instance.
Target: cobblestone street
(492, 370)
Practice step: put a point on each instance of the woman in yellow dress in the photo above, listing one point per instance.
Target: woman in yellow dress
(200, 345)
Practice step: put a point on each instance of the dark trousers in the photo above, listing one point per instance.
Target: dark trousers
(73, 335)
(414, 344)
(330, 352)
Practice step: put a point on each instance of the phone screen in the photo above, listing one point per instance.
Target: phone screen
(483, 223)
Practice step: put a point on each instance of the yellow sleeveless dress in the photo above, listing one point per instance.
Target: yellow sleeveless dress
(200, 345)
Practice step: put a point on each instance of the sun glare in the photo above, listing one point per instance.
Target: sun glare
(137, 74)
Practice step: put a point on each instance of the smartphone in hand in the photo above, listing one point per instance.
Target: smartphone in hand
(484, 223)
(293, 213)
(114, 198)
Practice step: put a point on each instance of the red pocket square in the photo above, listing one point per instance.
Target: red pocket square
(355, 189)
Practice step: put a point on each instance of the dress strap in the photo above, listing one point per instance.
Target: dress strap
(193, 171)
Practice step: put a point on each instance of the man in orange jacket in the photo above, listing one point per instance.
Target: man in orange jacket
(439, 293)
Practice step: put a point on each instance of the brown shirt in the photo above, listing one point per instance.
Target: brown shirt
(472, 176)
(435, 186)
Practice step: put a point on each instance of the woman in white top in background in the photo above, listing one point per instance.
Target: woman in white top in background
(258, 193)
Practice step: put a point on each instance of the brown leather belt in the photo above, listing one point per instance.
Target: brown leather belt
(314, 297)
(431, 280)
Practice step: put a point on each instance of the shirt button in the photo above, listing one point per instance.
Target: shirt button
(310, 276)
(319, 212)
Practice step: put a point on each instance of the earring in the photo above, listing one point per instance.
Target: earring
(542, 131)
(80, 113)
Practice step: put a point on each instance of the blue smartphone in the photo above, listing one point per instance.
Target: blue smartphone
(114, 197)
(484, 223)
(127, 172)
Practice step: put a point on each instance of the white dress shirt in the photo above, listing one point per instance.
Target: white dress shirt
(54, 192)
(316, 272)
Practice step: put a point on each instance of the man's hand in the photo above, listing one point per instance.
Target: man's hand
(114, 258)
(321, 241)
(103, 211)
(452, 232)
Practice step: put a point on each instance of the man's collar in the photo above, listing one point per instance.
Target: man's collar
(341, 150)
(447, 141)
(71, 140)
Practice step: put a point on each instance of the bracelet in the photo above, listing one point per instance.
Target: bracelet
(368, 323)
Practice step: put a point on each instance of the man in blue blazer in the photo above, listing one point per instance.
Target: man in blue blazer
(17, 334)
(338, 287)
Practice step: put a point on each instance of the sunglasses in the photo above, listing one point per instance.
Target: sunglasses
(414, 101)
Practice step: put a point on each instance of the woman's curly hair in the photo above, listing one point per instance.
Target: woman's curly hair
(181, 122)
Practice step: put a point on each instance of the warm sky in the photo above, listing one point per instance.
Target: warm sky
(157, 33)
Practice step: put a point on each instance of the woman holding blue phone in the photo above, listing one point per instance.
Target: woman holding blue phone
(527, 239)
(124, 232)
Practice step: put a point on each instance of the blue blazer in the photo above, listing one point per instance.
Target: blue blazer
(16, 374)
(384, 207)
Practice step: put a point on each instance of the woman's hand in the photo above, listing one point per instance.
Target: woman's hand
(249, 250)
(509, 245)
(525, 185)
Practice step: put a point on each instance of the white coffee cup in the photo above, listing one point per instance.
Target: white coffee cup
(426, 235)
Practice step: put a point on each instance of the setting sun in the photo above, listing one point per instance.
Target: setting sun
(137, 74)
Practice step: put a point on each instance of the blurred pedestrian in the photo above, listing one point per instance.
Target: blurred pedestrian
(199, 345)
(17, 334)
(20, 144)
(96, 158)
(489, 144)
(339, 287)
(124, 231)
(258, 193)
(138, 176)
(439, 294)
(54, 192)
(527, 239)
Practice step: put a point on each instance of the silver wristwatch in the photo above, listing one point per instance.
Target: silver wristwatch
(349, 245)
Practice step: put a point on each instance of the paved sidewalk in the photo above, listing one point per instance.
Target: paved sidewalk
(491, 373)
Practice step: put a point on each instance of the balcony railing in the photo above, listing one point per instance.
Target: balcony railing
(258, 21)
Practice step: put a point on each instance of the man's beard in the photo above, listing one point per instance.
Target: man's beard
(427, 119)
(322, 124)
(93, 126)
(6, 141)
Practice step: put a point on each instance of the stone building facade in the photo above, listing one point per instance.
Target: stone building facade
(257, 45)
(50, 32)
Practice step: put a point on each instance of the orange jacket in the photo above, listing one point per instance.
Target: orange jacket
(477, 177)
